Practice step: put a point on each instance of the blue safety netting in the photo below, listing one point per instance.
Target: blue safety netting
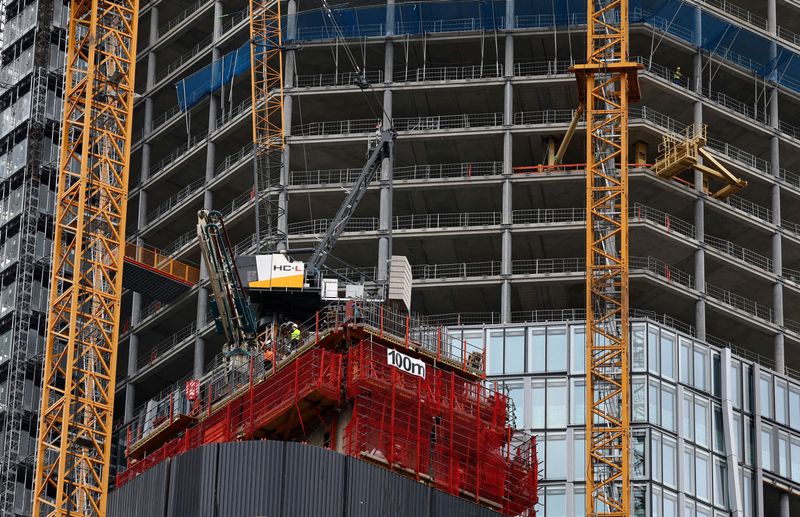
(718, 36)
(209, 79)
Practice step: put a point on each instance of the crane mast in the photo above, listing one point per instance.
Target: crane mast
(75, 422)
(266, 74)
(607, 82)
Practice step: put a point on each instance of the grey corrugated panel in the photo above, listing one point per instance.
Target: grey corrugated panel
(373, 491)
(446, 505)
(313, 482)
(144, 496)
(191, 483)
(249, 479)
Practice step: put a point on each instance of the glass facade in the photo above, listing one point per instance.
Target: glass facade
(679, 426)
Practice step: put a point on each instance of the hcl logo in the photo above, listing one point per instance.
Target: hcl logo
(287, 268)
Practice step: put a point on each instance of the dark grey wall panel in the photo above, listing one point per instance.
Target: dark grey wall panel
(446, 505)
(250, 479)
(375, 491)
(314, 481)
(192, 482)
(145, 496)
(277, 479)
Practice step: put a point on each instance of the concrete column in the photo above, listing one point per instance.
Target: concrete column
(697, 58)
(783, 505)
(133, 356)
(700, 254)
(779, 352)
(772, 17)
(387, 166)
(289, 71)
(508, 168)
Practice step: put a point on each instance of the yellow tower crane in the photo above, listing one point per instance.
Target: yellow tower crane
(606, 83)
(74, 443)
(266, 74)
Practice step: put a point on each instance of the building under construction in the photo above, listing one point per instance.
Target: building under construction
(490, 213)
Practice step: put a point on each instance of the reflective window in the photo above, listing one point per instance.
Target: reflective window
(749, 442)
(766, 448)
(495, 360)
(515, 351)
(685, 360)
(669, 448)
(579, 502)
(639, 395)
(736, 384)
(795, 459)
(578, 402)
(747, 493)
(655, 502)
(702, 476)
(653, 402)
(639, 458)
(670, 504)
(720, 483)
(687, 417)
(783, 454)
(577, 352)
(655, 456)
(556, 403)
(638, 354)
(719, 435)
(780, 400)
(639, 501)
(765, 395)
(536, 363)
(556, 467)
(668, 407)
(715, 374)
(516, 394)
(555, 502)
(747, 387)
(668, 355)
(701, 422)
(736, 435)
(688, 470)
(652, 349)
(537, 404)
(700, 367)
(556, 349)
(578, 458)
(794, 408)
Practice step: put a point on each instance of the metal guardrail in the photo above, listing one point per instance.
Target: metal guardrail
(174, 200)
(748, 207)
(180, 18)
(738, 252)
(403, 173)
(175, 155)
(739, 302)
(162, 262)
(738, 13)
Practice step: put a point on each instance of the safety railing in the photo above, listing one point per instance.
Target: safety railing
(542, 68)
(788, 35)
(547, 266)
(548, 215)
(234, 19)
(790, 227)
(789, 177)
(736, 154)
(657, 118)
(462, 121)
(748, 207)
(457, 270)
(173, 247)
(464, 318)
(185, 58)
(163, 348)
(739, 302)
(444, 25)
(663, 270)
(373, 30)
(157, 259)
(543, 117)
(336, 127)
(738, 13)
(402, 173)
(662, 72)
(175, 155)
(337, 79)
(534, 21)
(661, 24)
(174, 200)
(448, 73)
(245, 106)
(640, 212)
(243, 154)
(793, 275)
(180, 18)
(738, 252)
(735, 105)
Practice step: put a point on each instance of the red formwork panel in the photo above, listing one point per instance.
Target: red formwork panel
(442, 428)
(278, 403)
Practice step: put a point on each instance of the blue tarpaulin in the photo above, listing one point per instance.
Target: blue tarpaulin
(719, 36)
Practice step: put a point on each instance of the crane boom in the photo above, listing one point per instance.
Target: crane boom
(235, 317)
(607, 82)
(75, 421)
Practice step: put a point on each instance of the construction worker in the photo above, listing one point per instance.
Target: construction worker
(269, 357)
(677, 77)
(294, 338)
